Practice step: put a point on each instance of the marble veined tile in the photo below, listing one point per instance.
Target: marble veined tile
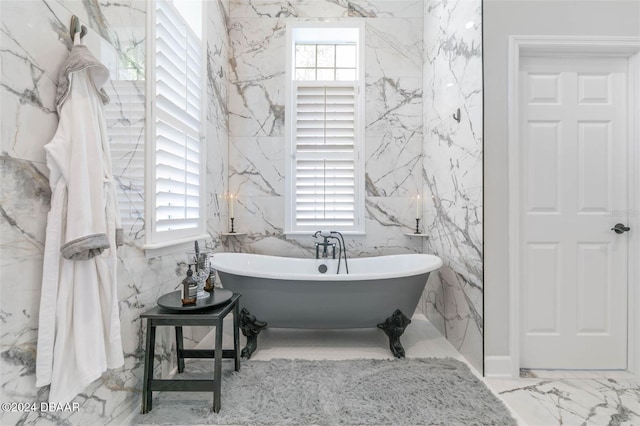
(326, 8)
(257, 166)
(452, 172)
(548, 402)
(217, 131)
(23, 211)
(393, 166)
(258, 48)
(457, 232)
(394, 108)
(462, 304)
(386, 8)
(387, 219)
(432, 302)
(394, 47)
(577, 374)
(217, 89)
(291, 9)
(262, 219)
(29, 77)
(256, 107)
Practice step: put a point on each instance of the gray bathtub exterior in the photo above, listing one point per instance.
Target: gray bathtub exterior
(326, 304)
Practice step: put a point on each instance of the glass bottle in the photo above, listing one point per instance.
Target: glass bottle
(189, 289)
(209, 284)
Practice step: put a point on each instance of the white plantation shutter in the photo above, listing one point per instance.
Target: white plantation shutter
(125, 117)
(178, 88)
(324, 136)
(325, 128)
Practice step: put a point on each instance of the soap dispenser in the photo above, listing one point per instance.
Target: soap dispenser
(189, 289)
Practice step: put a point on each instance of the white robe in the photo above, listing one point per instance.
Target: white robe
(79, 323)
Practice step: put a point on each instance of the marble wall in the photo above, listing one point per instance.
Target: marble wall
(452, 171)
(393, 120)
(217, 131)
(34, 42)
(412, 147)
(423, 61)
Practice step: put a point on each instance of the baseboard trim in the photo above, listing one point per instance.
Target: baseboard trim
(498, 366)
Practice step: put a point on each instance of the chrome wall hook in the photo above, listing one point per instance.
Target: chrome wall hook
(456, 116)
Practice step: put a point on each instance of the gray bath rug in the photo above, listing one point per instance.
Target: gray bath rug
(431, 391)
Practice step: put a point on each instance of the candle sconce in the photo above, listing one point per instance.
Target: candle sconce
(232, 232)
(417, 232)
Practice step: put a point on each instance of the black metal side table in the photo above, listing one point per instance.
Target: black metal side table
(214, 316)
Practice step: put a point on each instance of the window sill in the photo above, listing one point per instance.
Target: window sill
(292, 235)
(173, 246)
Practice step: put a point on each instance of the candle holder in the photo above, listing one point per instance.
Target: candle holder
(417, 226)
(232, 229)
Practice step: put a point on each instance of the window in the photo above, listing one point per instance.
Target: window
(325, 62)
(175, 149)
(325, 175)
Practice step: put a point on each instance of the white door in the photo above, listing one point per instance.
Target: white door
(574, 155)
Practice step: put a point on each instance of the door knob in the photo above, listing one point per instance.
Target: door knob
(619, 228)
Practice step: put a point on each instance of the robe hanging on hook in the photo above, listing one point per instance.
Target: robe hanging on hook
(75, 27)
(456, 116)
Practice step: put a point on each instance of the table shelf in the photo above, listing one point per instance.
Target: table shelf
(213, 316)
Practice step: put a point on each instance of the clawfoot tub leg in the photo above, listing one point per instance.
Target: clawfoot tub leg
(250, 327)
(393, 327)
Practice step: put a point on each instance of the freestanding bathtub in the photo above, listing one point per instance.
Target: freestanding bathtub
(293, 293)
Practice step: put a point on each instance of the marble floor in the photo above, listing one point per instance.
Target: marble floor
(572, 398)
(542, 398)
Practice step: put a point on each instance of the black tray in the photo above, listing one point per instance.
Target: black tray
(173, 301)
